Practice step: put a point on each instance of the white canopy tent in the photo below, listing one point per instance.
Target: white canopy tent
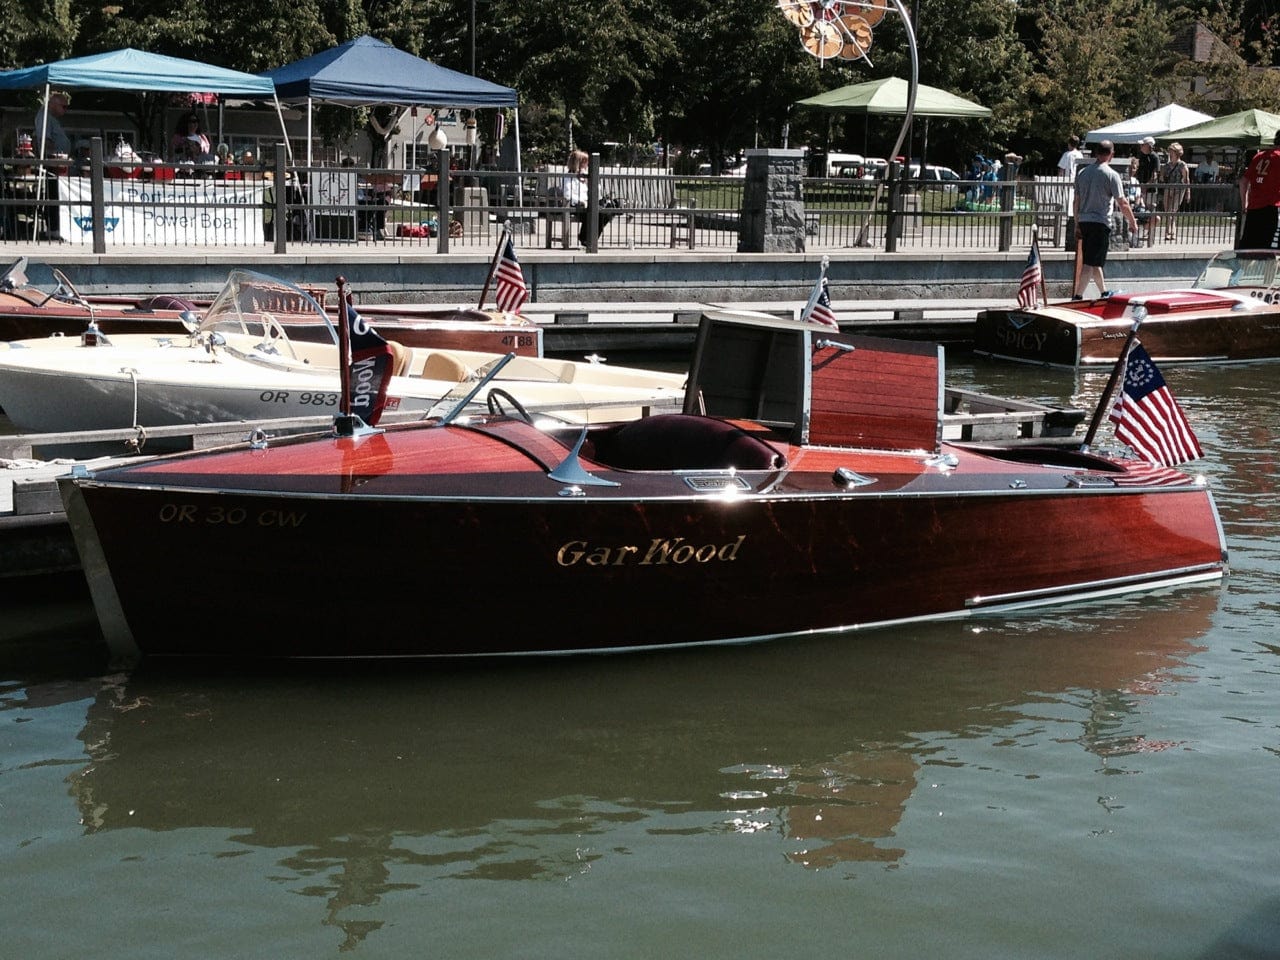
(1156, 123)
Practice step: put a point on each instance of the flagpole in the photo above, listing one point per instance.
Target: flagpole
(1044, 289)
(807, 311)
(1116, 371)
(344, 348)
(493, 267)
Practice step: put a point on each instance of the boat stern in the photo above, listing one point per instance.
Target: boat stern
(119, 637)
(1049, 335)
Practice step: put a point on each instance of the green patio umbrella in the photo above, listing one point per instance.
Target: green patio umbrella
(889, 96)
(1248, 128)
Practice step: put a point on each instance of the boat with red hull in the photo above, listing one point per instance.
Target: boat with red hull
(1231, 314)
(805, 489)
(28, 312)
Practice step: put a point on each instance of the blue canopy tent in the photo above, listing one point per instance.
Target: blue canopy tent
(130, 69)
(367, 72)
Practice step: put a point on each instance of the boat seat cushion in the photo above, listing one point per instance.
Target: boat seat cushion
(444, 366)
(678, 441)
(399, 358)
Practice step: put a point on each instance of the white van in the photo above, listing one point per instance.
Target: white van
(845, 165)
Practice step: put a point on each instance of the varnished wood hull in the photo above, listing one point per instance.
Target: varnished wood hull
(1092, 332)
(346, 549)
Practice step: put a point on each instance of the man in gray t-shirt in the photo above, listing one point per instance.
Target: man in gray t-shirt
(1097, 188)
(50, 139)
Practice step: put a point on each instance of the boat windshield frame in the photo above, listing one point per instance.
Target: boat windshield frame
(1230, 269)
(460, 396)
(258, 304)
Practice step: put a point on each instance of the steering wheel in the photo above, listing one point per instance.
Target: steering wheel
(497, 400)
(273, 334)
(64, 291)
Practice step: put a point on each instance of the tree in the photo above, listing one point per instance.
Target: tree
(36, 31)
(1236, 74)
(735, 71)
(591, 58)
(970, 48)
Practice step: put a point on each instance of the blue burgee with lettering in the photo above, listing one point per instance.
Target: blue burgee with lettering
(369, 370)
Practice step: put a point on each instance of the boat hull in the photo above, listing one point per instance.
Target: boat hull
(63, 388)
(653, 569)
(1093, 332)
(24, 317)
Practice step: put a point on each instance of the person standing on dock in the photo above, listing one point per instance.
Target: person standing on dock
(1098, 188)
(1260, 201)
(1070, 157)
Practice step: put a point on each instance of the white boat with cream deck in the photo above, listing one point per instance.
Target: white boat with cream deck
(239, 364)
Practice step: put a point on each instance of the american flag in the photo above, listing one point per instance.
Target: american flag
(1029, 289)
(820, 306)
(511, 292)
(1140, 473)
(1147, 418)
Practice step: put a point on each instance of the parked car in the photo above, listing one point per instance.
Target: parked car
(935, 176)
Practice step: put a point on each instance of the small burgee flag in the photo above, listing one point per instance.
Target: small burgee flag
(819, 309)
(1032, 276)
(369, 370)
(511, 291)
(1147, 419)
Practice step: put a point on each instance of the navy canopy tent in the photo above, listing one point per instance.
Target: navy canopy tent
(366, 71)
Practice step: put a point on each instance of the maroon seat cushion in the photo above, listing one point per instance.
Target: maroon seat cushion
(678, 441)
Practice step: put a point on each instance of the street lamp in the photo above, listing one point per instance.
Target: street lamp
(469, 138)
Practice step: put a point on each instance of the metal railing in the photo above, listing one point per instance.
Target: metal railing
(107, 204)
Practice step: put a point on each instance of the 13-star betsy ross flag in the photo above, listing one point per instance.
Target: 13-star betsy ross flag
(511, 291)
(1148, 419)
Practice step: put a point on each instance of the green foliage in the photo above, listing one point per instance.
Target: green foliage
(36, 31)
(1231, 79)
(710, 76)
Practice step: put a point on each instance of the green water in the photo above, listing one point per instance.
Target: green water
(1090, 781)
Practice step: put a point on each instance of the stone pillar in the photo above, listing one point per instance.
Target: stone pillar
(772, 215)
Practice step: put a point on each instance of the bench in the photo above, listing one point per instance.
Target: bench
(652, 195)
(1051, 205)
(648, 194)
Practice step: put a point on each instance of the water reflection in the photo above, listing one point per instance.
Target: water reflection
(380, 782)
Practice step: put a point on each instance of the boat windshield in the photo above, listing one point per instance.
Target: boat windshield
(15, 276)
(258, 305)
(1239, 268)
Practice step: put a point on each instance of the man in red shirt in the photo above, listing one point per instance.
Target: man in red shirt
(1260, 201)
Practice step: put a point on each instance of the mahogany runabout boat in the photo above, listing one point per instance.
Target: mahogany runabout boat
(1232, 313)
(805, 488)
(28, 312)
